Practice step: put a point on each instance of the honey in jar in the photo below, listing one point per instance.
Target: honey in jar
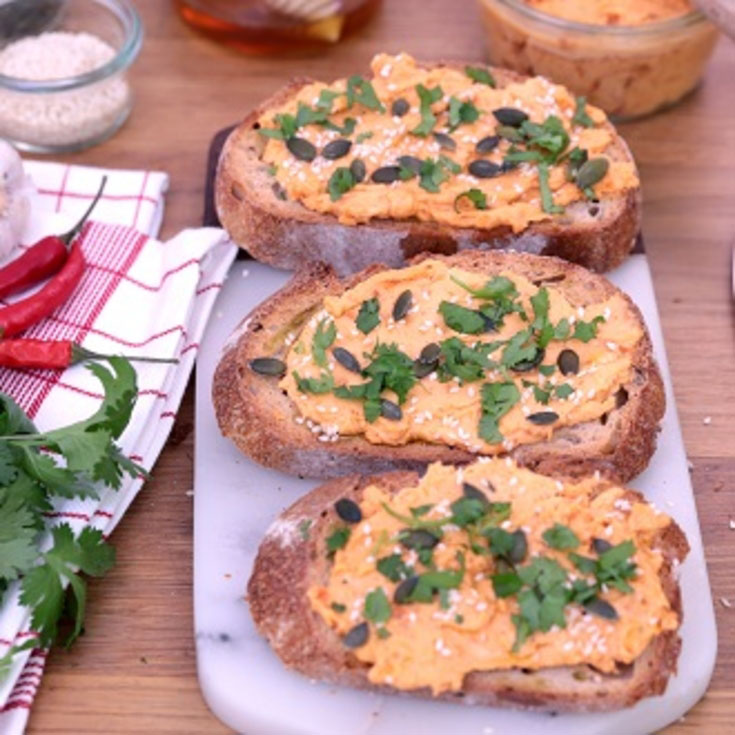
(271, 26)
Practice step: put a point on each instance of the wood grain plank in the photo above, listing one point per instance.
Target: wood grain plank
(135, 670)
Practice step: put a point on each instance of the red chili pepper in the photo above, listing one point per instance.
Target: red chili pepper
(44, 258)
(22, 314)
(53, 354)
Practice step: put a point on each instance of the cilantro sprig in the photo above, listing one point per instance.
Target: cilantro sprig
(38, 467)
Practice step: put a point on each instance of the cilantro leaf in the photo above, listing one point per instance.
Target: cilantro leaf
(547, 197)
(369, 316)
(59, 481)
(466, 511)
(465, 362)
(377, 608)
(461, 112)
(476, 196)
(318, 386)
(362, 91)
(8, 466)
(497, 400)
(18, 530)
(506, 584)
(432, 173)
(12, 419)
(580, 116)
(393, 369)
(337, 539)
(480, 75)
(563, 391)
(427, 98)
(324, 336)
(285, 128)
(464, 320)
(340, 182)
(431, 582)
(520, 348)
(585, 331)
(560, 537)
(394, 568)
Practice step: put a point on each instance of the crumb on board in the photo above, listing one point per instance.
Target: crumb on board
(725, 602)
(707, 420)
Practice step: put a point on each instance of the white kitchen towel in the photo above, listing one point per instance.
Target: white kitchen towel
(138, 296)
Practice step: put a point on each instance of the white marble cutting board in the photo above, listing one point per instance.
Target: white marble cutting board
(235, 500)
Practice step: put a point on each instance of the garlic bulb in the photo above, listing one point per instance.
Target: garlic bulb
(15, 193)
(309, 10)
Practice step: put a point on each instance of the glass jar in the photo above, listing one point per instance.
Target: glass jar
(628, 71)
(42, 112)
(271, 26)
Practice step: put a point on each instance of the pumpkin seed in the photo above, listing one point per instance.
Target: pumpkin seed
(402, 305)
(568, 362)
(358, 171)
(474, 493)
(519, 549)
(346, 359)
(390, 410)
(445, 141)
(357, 636)
(525, 365)
(337, 148)
(510, 116)
(411, 163)
(600, 545)
(405, 590)
(430, 354)
(602, 608)
(268, 366)
(422, 369)
(348, 510)
(418, 538)
(399, 107)
(591, 172)
(621, 398)
(542, 418)
(485, 169)
(487, 144)
(386, 174)
(302, 149)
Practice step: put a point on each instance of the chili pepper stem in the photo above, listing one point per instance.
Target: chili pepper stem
(79, 354)
(69, 236)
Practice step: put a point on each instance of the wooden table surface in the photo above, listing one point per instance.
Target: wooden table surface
(135, 670)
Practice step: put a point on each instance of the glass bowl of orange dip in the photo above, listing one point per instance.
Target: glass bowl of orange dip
(629, 57)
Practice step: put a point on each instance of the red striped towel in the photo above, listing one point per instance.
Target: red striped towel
(138, 295)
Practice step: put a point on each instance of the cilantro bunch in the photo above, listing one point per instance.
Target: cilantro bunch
(38, 467)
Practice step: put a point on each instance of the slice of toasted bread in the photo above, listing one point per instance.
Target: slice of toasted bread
(289, 562)
(284, 233)
(253, 411)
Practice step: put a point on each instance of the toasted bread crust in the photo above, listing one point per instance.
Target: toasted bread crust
(259, 417)
(285, 233)
(288, 564)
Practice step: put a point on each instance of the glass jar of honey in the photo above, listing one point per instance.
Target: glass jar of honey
(271, 26)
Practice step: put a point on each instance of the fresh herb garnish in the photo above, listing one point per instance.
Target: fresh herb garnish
(429, 583)
(580, 114)
(324, 336)
(585, 331)
(476, 196)
(547, 196)
(497, 400)
(365, 135)
(461, 112)
(369, 316)
(463, 320)
(464, 362)
(480, 75)
(340, 182)
(394, 568)
(337, 539)
(560, 537)
(362, 91)
(318, 386)
(427, 98)
(377, 608)
(338, 607)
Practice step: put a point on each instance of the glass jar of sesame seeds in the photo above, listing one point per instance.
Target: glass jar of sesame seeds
(63, 86)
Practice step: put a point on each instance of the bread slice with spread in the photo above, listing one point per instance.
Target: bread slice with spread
(438, 157)
(443, 360)
(488, 584)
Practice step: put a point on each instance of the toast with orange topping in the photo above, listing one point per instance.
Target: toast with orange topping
(446, 359)
(440, 158)
(488, 585)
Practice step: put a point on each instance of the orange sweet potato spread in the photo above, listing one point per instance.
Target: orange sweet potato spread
(614, 12)
(474, 620)
(536, 364)
(440, 118)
